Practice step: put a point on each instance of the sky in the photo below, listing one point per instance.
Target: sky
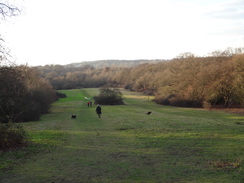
(63, 32)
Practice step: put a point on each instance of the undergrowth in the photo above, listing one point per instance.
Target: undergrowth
(12, 136)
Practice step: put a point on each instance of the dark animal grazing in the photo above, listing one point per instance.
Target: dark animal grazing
(73, 116)
(149, 113)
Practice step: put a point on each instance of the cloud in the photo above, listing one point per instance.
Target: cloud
(227, 11)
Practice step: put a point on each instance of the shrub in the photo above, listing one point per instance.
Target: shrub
(60, 95)
(175, 100)
(12, 136)
(149, 92)
(128, 86)
(163, 100)
(109, 97)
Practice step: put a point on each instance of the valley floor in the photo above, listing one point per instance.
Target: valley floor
(170, 145)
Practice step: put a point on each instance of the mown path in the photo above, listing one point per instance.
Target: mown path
(65, 162)
(126, 145)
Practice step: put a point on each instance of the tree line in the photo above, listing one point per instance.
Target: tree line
(184, 81)
(24, 96)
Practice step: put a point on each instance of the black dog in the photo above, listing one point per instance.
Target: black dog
(73, 116)
(149, 113)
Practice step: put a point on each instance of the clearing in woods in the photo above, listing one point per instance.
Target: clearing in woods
(127, 145)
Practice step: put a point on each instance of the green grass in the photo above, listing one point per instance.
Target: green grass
(126, 145)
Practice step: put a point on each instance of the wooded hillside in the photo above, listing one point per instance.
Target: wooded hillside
(112, 63)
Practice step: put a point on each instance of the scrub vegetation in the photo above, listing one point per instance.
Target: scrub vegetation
(24, 96)
(109, 96)
(126, 145)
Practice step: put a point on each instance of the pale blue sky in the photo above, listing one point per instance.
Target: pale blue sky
(62, 32)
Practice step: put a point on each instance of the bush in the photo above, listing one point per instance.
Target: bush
(175, 100)
(163, 100)
(128, 87)
(181, 102)
(149, 92)
(12, 136)
(60, 95)
(109, 97)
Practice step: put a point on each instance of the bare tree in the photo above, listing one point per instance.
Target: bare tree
(7, 10)
(4, 53)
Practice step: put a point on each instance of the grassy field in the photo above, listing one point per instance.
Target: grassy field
(126, 145)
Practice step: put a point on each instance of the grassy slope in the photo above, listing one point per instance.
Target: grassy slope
(126, 145)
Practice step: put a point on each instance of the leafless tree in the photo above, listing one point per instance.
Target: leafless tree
(4, 53)
(7, 10)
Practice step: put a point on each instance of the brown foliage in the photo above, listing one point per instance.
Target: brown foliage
(186, 80)
(23, 95)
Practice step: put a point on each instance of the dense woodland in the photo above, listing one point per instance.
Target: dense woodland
(24, 96)
(184, 81)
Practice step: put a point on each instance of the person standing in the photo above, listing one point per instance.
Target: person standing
(99, 110)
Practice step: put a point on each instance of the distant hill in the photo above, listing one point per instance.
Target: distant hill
(112, 63)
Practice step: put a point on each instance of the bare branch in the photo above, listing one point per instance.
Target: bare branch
(4, 53)
(8, 10)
